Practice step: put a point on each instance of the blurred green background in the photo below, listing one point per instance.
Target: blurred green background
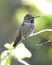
(12, 13)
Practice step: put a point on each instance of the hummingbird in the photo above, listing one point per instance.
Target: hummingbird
(25, 29)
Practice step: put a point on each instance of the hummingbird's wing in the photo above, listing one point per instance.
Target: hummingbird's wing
(18, 37)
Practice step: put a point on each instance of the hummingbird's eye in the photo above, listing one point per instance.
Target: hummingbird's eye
(28, 18)
(31, 21)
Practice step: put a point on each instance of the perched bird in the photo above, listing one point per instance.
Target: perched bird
(25, 29)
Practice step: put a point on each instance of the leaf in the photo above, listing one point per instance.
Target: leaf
(8, 45)
(5, 58)
(21, 52)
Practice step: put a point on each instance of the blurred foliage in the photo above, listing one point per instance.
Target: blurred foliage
(20, 52)
(12, 13)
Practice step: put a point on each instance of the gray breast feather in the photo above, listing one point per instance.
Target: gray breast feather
(26, 30)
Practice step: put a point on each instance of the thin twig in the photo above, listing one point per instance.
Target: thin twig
(41, 44)
(23, 62)
(50, 30)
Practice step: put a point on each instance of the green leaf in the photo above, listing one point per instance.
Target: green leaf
(5, 58)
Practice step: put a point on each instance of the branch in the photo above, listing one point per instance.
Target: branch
(50, 30)
(41, 44)
(23, 62)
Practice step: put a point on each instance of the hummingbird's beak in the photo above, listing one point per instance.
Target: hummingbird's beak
(36, 16)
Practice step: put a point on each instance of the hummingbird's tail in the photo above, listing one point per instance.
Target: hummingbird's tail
(18, 38)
